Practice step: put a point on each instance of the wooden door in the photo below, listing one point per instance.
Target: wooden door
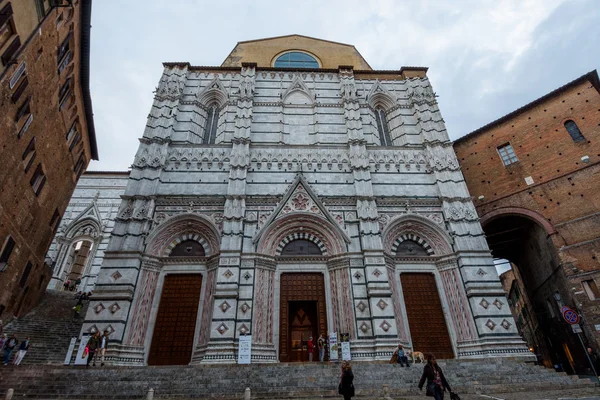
(425, 315)
(173, 338)
(297, 289)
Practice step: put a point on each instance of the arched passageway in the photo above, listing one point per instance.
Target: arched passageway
(537, 288)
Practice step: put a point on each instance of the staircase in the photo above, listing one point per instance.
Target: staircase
(49, 326)
(274, 381)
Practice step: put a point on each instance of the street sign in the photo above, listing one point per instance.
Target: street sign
(576, 328)
(570, 315)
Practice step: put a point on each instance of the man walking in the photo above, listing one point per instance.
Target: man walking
(92, 346)
(22, 351)
(9, 346)
(103, 347)
(321, 347)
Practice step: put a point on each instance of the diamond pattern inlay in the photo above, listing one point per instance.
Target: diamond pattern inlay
(377, 273)
(244, 329)
(114, 308)
(490, 324)
(227, 274)
(484, 303)
(505, 324)
(99, 308)
(357, 276)
(247, 276)
(385, 326)
(245, 307)
(222, 328)
(382, 304)
(93, 329)
(481, 272)
(498, 304)
(364, 327)
(224, 306)
(361, 306)
(116, 276)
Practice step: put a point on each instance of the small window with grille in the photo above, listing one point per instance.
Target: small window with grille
(507, 154)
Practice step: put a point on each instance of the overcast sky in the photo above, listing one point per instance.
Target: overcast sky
(485, 58)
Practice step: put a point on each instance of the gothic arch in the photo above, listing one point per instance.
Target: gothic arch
(306, 224)
(213, 93)
(379, 96)
(86, 228)
(173, 231)
(302, 235)
(416, 226)
(412, 237)
(520, 212)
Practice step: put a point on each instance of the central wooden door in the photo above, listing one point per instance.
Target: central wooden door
(425, 315)
(173, 338)
(303, 313)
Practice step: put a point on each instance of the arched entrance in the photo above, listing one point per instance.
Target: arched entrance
(536, 286)
(302, 305)
(175, 326)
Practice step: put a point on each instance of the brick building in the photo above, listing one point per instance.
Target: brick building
(534, 174)
(46, 136)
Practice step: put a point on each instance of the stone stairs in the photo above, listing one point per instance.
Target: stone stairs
(273, 381)
(49, 326)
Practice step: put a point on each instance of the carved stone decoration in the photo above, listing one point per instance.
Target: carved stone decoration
(222, 328)
(364, 327)
(114, 308)
(498, 303)
(361, 306)
(481, 272)
(490, 324)
(243, 329)
(247, 276)
(245, 307)
(377, 273)
(93, 329)
(227, 274)
(385, 326)
(224, 306)
(505, 324)
(98, 308)
(484, 303)
(382, 304)
(357, 276)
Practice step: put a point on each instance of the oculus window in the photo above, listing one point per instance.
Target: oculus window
(296, 59)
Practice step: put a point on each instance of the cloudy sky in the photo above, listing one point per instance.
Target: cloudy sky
(485, 58)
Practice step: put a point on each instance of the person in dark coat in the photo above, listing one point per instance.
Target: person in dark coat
(92, 346)
(9, 346)
(436, 381)
(346, 387)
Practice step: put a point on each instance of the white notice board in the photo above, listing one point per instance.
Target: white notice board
(244, 349)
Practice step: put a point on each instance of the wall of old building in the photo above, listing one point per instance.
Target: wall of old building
(554, 184)
(45, 145)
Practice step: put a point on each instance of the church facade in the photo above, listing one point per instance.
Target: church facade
(291, 192)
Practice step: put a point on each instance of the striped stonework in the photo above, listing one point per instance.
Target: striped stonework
(305, 236)
(414, 238)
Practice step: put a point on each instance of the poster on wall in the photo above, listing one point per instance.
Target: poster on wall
(333, 346)
(80, 359)
(244, 349)
(346, 351)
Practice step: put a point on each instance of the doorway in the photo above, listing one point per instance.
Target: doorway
(302, 314)
(173, 338)
(426, 319)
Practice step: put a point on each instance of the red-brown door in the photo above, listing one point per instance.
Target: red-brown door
(173, 338)
(425, 315)
(302, 311)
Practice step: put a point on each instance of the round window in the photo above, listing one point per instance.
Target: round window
(296, 59)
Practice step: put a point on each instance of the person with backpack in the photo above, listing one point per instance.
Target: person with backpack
(321, 347)
(9, 346)
(436, 381)
(22, 351)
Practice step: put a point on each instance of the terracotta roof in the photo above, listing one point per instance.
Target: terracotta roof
(591, 76)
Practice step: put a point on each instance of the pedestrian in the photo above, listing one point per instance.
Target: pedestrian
(595, 359)
(311, 348)
(66, 285)
(77, 309)
(77, 283)
(3, 340)
(9, 346)
(103, 347)
(321, 347)
(22, 351)
(92, 346)
(436, 381)
(346, 386)
(401, 356)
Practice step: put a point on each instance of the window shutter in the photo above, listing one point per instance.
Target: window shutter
(6, 13)
(11, 50)
(20, 89)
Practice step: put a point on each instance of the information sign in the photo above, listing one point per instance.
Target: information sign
(244, 349)
(346, 351)
(576, 328)
(333, 346)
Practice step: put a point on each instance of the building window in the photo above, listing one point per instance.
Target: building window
(38, 180)
(296, 59)
(64, 92)
(24, 109)
(55, 220)
(43, 7)
(73, 136)
(7, 248)
(574, 131)
(382, 127)
(212, 119)
(29, 155)
(26, 273)
(64, 55)
(7, 28)
(591, 289)
(507, 154)
(80, 166)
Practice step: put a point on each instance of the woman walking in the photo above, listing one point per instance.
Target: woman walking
(346, 387)
(436, 381)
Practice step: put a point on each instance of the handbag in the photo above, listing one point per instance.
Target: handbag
(430, 389)
(85, 352)
(340, 390)
(454, 396)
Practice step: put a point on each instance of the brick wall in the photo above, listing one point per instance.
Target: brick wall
(24, 215)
